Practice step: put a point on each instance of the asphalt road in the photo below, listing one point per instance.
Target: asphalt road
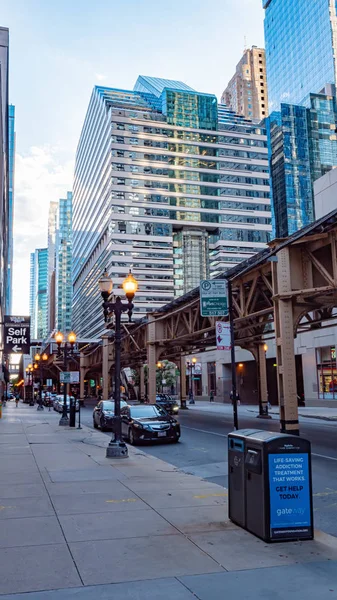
(202, 451)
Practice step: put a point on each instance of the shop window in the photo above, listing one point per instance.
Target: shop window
(211, 377)
(326, 372)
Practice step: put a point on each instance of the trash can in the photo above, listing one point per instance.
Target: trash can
(269, 485)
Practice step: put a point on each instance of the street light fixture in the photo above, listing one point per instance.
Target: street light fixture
(39, 361)
(190, 364)
(67, 349)
(160, 367)
(117, 447)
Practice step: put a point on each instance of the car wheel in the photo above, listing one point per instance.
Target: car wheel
(131, 437)
(95, 424)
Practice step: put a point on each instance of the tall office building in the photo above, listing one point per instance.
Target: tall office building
(247, 92)
(169, 184)
(38, 296)
(301, 49)
(4, 171)
(11, 163)
(52, 229)
(63, 274)
(303, 147)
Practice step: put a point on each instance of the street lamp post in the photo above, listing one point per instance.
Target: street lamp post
(190, 365)
(39, 360)
(117, 447)
(160, 368)
(67, 349)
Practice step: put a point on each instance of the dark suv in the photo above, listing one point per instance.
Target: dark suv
(167, 403)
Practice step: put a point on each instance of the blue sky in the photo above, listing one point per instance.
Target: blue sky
(60, 50)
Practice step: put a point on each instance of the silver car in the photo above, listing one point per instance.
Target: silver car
(58, 403)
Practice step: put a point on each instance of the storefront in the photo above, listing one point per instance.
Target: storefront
(326, 373)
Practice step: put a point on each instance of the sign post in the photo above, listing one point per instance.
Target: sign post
(213, 298)
(16, 335)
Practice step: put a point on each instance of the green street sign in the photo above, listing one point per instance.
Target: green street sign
(213, 298)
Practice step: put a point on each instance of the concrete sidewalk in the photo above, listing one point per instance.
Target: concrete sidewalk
(311, 412)
(77, 526)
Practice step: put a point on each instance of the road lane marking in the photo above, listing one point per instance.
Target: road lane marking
(321, 494)
(226, 435)
(210, 495)
(323, 456)
(204, 431)
(122, 500)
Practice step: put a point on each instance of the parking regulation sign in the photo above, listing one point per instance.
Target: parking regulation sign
(213, 298)
(223, 335)
(16, 334)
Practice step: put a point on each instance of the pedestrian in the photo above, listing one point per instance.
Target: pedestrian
(17, 398)
(237, 398)
(211, 396)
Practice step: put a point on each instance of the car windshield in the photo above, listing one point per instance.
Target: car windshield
(108, 405)
(140, 412)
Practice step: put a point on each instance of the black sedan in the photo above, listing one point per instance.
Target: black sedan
(148, 423)
(104, 413)
(168, 403)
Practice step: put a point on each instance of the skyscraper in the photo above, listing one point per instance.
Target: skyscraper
(63, 275)
(11, 162)
(247, 93)
(38, 296)
(301, 49)
(162, 171)
(52, 229)
(4, 171)
(303, 147)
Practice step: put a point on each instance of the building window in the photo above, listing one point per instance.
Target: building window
(326, 373)
(211, 377)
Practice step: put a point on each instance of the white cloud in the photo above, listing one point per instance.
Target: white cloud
(40, 177)
(101, 77)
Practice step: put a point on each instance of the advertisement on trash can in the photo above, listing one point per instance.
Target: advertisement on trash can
(289, 488)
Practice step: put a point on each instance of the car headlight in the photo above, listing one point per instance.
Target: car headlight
(176, 408)
(138, 425)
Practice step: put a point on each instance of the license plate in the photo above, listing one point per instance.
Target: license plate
(161, 433)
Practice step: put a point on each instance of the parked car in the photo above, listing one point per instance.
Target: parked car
(104, 413)
(142, 423)
(168, 403)
(58, 403)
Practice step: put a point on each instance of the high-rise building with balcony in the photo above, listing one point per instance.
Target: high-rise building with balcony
(303, 147)
(11, 163)
(247, 92)
(38, 293)
(168, 183)
(301, 49)
(52, 230)
(4, 176)
(63, 273)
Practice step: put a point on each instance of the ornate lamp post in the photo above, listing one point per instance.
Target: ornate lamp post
(39, 360)
(117, 447)
(160, 368)
(190, 365)
(67, 349)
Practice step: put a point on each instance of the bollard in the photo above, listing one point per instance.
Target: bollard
(79, 416)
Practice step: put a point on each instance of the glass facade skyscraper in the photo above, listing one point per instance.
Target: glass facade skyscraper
(168, 183)
(38, 299)
(302, 148)
(301, 49)
(63, 276)
(11, 162)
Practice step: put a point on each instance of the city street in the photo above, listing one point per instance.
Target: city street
(202, 451)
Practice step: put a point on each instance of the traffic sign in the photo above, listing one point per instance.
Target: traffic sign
(213, 298)
(69, 377)
(17, 335)
(223, 335)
